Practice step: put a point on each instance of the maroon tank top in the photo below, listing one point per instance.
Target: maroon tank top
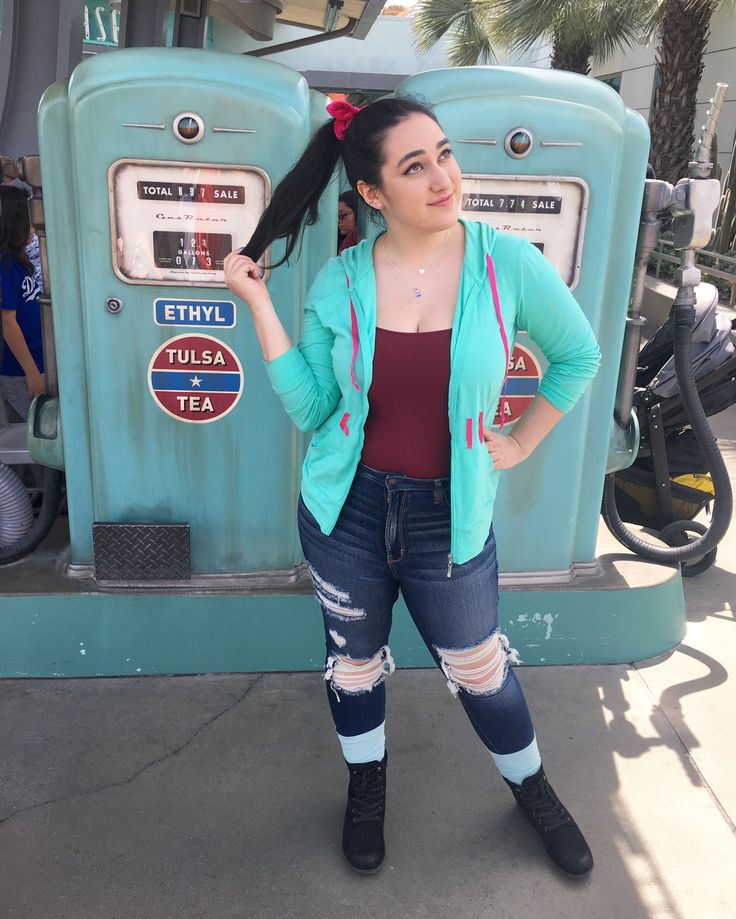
(407, 429)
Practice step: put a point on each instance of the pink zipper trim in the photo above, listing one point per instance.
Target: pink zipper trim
(344, 424)
(354, 330)
(496, 303)
(469, 433)
(480, 428)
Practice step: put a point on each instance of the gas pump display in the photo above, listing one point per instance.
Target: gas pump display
(549, 212)
(176, 222)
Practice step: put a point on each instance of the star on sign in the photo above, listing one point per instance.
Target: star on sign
(195, 380)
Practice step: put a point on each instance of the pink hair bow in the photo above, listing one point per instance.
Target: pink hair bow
(343, 113)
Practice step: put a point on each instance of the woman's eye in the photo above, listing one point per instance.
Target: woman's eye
(415, 167)
(446, 153)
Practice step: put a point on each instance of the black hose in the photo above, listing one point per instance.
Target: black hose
(684, 319)
(52, 480)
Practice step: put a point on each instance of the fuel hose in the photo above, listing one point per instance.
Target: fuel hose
(684, 319)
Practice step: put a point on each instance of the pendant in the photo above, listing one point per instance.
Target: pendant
(421, 270)
(417, 293)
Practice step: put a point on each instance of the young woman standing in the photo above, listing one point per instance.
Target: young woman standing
(402, 360)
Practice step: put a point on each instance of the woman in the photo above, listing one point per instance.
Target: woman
(400, 366)
(347, 220)
(21, 368)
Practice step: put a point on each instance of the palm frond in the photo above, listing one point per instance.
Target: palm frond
(464, 22)
(602, 25)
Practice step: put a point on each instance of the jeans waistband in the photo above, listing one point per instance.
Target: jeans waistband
(398, 479)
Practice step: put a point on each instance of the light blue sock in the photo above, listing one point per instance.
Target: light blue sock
(520, 765)
(365, 748)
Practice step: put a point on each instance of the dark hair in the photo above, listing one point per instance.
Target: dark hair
(295, 201)
(351, 199)
(15, 224)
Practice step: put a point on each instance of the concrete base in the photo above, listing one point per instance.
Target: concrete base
(56, 626)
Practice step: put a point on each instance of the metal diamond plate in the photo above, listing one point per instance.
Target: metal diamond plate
(141, 551)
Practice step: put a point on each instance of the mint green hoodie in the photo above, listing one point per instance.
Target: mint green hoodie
(324, 382)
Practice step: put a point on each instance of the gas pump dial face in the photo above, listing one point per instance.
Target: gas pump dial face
(176, 222)
(549, 211)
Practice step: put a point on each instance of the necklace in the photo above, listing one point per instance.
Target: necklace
(418, 292)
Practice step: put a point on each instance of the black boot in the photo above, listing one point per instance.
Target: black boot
(362, 834)
(561, 836)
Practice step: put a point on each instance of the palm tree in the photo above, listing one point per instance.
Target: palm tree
(578, 29)
(682, 28)
(583, 29)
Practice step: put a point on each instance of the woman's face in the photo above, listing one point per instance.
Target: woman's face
(345, 218)
(420, 178)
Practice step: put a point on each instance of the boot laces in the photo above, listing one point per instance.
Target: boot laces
(366, 794)
(544, 806)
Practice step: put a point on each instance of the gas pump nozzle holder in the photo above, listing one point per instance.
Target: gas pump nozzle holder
(692, 202)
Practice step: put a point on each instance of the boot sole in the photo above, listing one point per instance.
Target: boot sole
(363, 870)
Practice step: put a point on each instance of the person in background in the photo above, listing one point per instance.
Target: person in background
(347, 220)
(33, 249)
(22, 367)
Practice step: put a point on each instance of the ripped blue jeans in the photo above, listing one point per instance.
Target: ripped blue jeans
(393, 534)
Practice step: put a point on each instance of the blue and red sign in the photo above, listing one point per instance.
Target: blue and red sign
(521, 385)
(195, 378)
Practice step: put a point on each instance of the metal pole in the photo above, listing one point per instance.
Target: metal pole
(143, 23)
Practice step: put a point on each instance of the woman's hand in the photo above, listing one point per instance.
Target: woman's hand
(243, 277)
(504, 449)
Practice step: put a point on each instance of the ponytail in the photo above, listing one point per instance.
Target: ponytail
(295, 202)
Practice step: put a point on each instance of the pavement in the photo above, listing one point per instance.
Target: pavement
(221, 796)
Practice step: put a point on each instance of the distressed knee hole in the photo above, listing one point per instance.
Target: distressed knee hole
(480, 670)
(334, 601)
(357, 676)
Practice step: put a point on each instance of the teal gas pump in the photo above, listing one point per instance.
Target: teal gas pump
(166, 414)
(560, 160)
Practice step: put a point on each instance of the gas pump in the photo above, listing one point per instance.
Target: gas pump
(147, 190)
(560, 160)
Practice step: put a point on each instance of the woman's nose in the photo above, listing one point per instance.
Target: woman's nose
(439, 179)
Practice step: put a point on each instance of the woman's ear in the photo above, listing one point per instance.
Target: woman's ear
(370, 194)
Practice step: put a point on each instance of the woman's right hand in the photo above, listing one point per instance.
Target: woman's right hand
(243, 278)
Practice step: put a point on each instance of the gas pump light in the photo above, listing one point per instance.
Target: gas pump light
(188, 127)
(518, 143)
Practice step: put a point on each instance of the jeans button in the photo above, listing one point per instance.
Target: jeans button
(392, 481)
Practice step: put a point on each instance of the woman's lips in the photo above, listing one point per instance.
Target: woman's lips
(443, 202)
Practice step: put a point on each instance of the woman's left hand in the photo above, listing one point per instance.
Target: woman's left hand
(505, 451)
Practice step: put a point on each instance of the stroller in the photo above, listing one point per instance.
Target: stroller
(669, 483)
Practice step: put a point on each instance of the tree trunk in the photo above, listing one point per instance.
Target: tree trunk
(683, 39)
(575, 58)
